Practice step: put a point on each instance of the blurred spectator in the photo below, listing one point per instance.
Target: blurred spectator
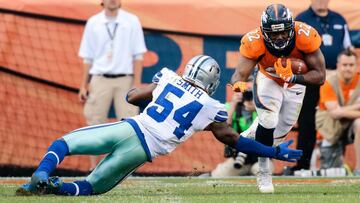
(241, 111)
(335, 38)
(112, 49)
(338, 116)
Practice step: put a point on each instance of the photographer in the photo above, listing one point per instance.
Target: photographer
(241, 111)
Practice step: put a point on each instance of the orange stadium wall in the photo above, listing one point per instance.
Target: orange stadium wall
(40, 73)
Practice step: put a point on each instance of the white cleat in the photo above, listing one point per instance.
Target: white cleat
(264, 182)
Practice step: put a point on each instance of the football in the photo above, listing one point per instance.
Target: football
(298, 66)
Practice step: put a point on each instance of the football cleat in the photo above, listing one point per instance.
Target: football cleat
(51, 186)
(26, 190)
(54, 185)
(39, 180)
(264, 182)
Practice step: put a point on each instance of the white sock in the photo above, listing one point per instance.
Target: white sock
(264, 164)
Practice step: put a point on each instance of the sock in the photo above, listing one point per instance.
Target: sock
(55, 154)
(77, 188)
(264, 135)
(264, 164)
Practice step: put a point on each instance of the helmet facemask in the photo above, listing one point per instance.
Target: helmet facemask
(277, 26)
(204, 72)
(279, 43)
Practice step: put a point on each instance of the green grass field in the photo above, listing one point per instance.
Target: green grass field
(190, 189)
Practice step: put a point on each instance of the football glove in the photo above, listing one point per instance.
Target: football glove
(239, 86)
(284, 73)
(286, 154)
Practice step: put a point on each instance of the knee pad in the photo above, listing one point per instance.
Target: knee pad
(265, 135)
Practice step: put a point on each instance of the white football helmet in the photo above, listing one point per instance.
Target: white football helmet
(204, 72)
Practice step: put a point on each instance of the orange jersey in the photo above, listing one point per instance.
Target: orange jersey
(307, 40)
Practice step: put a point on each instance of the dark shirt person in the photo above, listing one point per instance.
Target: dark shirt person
(335, 38)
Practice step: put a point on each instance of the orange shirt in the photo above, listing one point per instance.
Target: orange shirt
(327, 92)
(307, 40)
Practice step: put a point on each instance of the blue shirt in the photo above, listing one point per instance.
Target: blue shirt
(333, 30)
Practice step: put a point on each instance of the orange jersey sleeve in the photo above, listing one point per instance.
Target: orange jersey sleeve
(252, 45)
(327, 94)
(308, 39)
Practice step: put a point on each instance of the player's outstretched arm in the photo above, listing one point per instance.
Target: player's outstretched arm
(227, 135)
(140, 96)
(317, 71)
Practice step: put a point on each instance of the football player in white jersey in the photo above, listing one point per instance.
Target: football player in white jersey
(176, 108)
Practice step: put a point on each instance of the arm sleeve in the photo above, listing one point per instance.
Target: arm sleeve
(157, 77)
(250, 146)
(162, 75)
(217, 112)
(139, 46)
(86, 50)
(221, 116)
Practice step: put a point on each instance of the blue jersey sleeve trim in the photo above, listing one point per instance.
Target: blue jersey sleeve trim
(220, 119)
(157, 77)
(222, 113)
(141, 137)
(221, 116)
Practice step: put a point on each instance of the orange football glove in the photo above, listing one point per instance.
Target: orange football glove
(239, 86)
(284, 73)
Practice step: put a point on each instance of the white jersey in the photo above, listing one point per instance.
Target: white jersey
(176, 112)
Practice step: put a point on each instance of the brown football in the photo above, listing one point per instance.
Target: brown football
(298, 66)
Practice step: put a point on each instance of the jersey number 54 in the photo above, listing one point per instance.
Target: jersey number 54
(183, 115)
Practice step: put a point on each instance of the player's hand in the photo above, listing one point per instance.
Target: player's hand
(286, 154)
(239, 86)
(284, 73)
(83, 95)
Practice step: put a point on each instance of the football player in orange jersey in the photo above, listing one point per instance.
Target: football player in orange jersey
(278, 93)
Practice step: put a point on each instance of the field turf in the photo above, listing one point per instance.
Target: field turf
(191, 189)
